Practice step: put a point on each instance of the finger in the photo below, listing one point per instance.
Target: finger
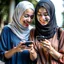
(47, 40)
(31, 44)
(23, 47)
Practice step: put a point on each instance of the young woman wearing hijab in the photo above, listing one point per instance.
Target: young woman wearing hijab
(50, 49)
(15, 34)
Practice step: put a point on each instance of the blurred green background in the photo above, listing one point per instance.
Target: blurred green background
(7, 8)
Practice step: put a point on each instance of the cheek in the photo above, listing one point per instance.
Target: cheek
(21, 21)
(42, 21)
(31, 20)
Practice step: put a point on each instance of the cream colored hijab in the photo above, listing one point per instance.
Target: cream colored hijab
(15, 26)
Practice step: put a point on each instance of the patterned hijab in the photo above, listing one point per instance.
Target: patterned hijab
(47, 31)
(15, 26)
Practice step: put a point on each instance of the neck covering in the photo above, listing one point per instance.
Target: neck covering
(47, 31)
(15, 26)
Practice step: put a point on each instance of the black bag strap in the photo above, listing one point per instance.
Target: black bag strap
(59, 33)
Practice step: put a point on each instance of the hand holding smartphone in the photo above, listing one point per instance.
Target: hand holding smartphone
(27, 43)
(40, 38)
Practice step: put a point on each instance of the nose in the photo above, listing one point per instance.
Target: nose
(46, 18)
(43, 17)
(29, 19)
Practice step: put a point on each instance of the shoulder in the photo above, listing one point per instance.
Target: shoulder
(6, 29)
(61, 33)
(5, 33)
(61, 30)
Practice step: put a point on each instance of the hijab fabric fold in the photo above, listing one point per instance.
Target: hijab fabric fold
(47, 31)
(15, 26)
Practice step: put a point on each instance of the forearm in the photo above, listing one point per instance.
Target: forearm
(10, 53)
(55, 54)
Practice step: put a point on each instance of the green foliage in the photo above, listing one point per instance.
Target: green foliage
(63, 20)
(4, 8)
(17, 1)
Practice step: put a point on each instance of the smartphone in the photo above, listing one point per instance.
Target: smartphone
(40, 38)
(27, 43)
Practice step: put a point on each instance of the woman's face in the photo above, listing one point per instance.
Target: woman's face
(27, 17)
(42, 16)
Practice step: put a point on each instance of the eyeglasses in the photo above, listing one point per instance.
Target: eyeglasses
(27, 15)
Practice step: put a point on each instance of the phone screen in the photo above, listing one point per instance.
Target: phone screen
(27, 43)
(40, 38)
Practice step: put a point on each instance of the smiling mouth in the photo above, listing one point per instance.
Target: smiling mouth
(43, 22)
(26, 23)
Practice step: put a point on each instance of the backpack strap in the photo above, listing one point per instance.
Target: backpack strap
(58, 32)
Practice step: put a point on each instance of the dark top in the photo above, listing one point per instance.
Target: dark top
(8, 40)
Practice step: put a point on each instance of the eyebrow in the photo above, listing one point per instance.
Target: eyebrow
(39, 12)
(44, 12)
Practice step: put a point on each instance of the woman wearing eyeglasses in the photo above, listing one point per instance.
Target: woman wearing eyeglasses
(15, 34)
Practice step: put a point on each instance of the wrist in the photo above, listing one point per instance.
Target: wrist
(14, 49)
(51, 50)
(55, 54)
(9, 53)
(33, 55)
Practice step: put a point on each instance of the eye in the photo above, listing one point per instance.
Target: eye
(32, 16)
(26, 16)
(45, 14)
(39, 14)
